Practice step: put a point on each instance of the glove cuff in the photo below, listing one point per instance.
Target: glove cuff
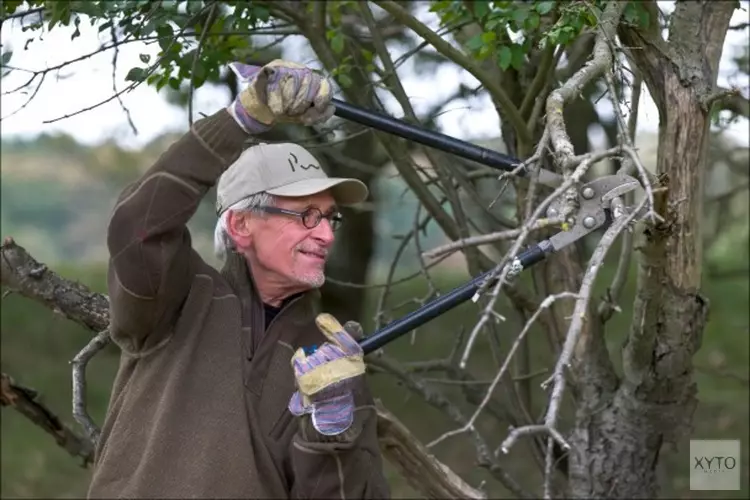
(245, 120)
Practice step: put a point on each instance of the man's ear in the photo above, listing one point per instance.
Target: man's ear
(239, 228)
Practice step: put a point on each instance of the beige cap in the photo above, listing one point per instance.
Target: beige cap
(283, 169)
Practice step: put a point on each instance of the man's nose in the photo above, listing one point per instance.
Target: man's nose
(323, 232)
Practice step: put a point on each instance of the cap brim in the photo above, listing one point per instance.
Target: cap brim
(344, 191)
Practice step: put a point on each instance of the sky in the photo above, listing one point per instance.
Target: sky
(90, 81)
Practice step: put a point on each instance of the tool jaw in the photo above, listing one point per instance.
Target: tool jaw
(597, 201)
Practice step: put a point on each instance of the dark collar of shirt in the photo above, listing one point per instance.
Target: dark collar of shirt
(271, 312)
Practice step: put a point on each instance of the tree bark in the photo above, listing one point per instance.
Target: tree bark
(618, 437)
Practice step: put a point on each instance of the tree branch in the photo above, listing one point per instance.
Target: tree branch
(21, 273)
(26, 402)
(437, 400)
(600, 61)
(420, 468)
(469, 64)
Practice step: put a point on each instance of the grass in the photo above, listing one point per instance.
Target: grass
(36, 346)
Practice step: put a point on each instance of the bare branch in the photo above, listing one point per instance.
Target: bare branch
(191, 88)
(490, 238)
(438, 400)
(22, 14)
(470, 423)
(423, 471)
(21, 273)
(115, 54)
(600, 61)
(26, 401)
(730, 100)
(510, 271)
(79, 362)
(532, 429)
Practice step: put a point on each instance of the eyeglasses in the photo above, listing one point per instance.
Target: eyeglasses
(310, 217)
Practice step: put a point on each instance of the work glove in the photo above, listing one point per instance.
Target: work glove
(327, 376)
(280, 91)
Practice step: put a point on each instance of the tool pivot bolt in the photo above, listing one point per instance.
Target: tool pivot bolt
(588, 193)
(589, 222)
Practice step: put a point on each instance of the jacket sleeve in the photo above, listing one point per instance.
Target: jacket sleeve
(151, 261)
(341, 467)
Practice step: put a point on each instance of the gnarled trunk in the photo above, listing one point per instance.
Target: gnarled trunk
(618, 435)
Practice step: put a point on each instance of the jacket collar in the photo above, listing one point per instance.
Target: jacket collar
(236, 271)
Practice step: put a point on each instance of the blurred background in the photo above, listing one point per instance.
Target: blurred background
(60, 180)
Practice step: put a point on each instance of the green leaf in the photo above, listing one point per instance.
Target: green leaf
(152, 78)
(261, 13)
(474, 43)
(517, 58)
(162, 81)
(105, 26)
(337, 43)
(544, 7)
(345, 80)
(520, 15)
(532, 22)
(165, 34)
(5, 58)
(136, 75)
(504, 57)
(643, 18)
(145, 58)
(488, 37)
(481, 9)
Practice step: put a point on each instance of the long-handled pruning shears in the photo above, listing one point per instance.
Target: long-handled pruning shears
(596, 200)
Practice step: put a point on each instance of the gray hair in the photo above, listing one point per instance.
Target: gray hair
(222, 240)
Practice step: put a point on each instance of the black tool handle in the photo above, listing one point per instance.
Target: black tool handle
(443, 304)
(426, 137)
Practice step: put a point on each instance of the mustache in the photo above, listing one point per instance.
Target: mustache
(323, 252)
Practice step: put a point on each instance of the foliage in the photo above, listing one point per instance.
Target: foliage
(197, 39)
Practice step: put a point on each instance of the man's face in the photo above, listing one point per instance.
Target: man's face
(286, 255)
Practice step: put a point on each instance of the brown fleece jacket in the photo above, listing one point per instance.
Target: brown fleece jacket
(199, 405)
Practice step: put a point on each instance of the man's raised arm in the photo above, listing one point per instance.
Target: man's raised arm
(152, 262)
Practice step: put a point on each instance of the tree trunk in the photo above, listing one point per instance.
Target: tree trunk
(618, 435)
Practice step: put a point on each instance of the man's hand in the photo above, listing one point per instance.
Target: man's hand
(327, 377)
(280, 91)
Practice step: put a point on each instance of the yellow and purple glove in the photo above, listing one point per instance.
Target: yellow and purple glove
(280, 91)
(327, 376)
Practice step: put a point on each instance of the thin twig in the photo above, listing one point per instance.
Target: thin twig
(79, 362)
(546, 303)
(196, 57)
(505, 270)
(529, 430)
(484, 239)
(438, 400)
(115, 54)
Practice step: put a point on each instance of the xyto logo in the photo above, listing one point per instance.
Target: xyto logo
(711, 465)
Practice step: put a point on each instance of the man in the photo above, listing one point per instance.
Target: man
(220, 391)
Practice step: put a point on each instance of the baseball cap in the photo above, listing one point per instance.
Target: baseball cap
(282, 169)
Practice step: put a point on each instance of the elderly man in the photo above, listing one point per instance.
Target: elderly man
(221, 391)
